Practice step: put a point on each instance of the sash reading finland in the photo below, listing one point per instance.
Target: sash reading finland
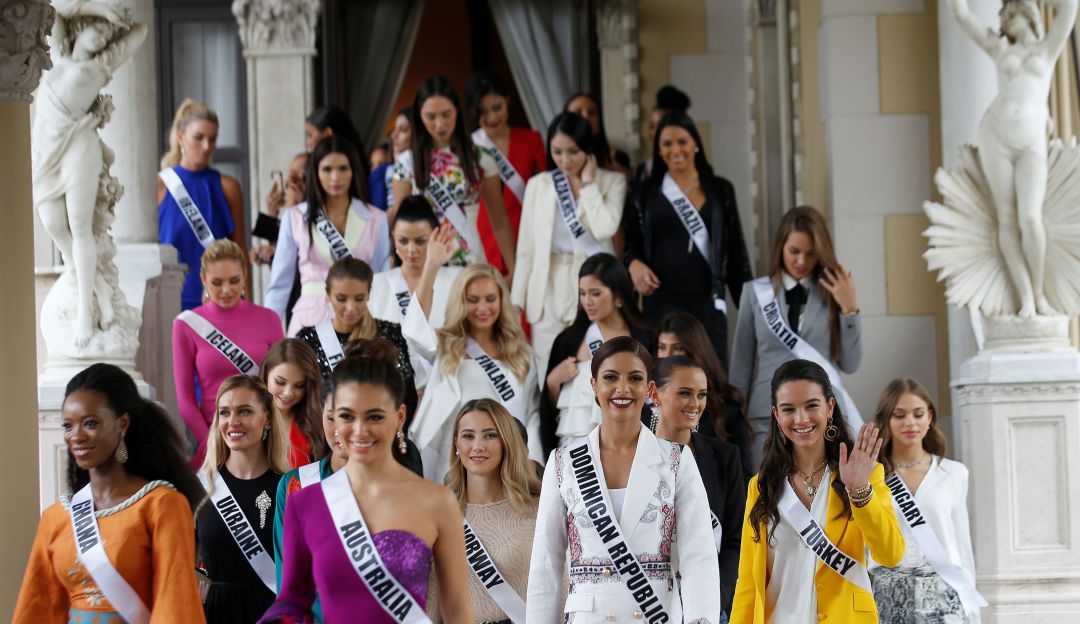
(795, 513)
(360, 549)
(400, 288)
(241, 530)
(483, 566)
(227, 348)
(775, 321)
(338, 247)
(594, 498)
(507, 173)
(445, 206)
(328, 340)
(694, 224)
(931, 547)
(502, 382)
(568, 210)
(91, 552)
(187, 206)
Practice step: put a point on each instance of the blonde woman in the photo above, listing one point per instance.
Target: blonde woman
(480, 352)
(246, 454)
(224, 336)
(196, 203)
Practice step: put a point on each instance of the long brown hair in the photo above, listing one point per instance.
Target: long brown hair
(809, 221)
(934, 442)
(357, 269)
(307, 413)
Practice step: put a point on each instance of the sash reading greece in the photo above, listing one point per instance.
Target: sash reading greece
(213, 336)
(503, 382)
(568, 210)
(187, 206)
(694, 224)
(795, 513)
(446, 207)
(483, 566)
(91, 552)
(241, 530)
(507, 173)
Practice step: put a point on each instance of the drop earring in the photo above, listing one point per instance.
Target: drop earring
(121, 452)
(401, 442)
(266, 432)
(831, 432)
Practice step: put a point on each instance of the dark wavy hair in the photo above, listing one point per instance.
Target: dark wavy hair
(669, 98)
(934, 442)
(482, 82)
(679, 119)
(371, 362)
(600, 145)
(414, 209)
(340, 125)
(574, 126)
(422, 143)
(777, 461)
(611, 272)
(155, 448)
(621, 344)
(316, 196)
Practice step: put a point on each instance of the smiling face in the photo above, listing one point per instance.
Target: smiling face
(367, 421)
(92, 430)
(287, 384)
(677, 148)
(198, 141)
(682, 399)
(482, 303)
(440, 118)
(411, 241)
(330, 431)
(335, 175)
(566, 154)
(800, 258)
(401, 135)
(224, 282)
(910, 421)
(241, 419)
(494, 111)
(669, 344)
(596, 298)
(622, 386)
(348, 299)
(587, 108)
(478, 444)
(803, 412)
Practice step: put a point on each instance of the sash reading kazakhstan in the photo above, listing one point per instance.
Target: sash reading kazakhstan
(227, 348)
(483, 566)
(568, 210)
(507, 173)
(503, 382)
(796, 514)
(187, 206)
(241, 530)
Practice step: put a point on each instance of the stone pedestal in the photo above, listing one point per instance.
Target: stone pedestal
(1020, 413)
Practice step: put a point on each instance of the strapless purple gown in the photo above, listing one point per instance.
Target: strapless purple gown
(313, 560)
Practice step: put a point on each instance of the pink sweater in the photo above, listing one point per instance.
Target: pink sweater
(254, 329)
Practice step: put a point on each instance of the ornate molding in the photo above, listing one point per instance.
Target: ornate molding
(616, 30)
(1016, 391)
(24, 52)
(277, 26)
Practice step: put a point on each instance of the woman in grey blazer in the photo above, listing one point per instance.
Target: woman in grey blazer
(807, 292)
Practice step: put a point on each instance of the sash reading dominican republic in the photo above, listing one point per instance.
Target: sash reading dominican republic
(400, 288)
(227, 348)
(503, 382)
(931, 547)
(507, 173)
(445, 206)
(813, 535)
(775, 321)
(364, 557)
(187, 206)
(328, 340)
(694, 224)
(309, 474)
(241, 530)
(593, 337)
(338, 247)
(483, 566)
(594, 498)
(568, 210)
(91, 552)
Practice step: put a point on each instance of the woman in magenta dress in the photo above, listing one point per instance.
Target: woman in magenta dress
(411, 522)
(223, 337)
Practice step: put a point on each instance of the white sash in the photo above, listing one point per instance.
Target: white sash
(241, 530)
(213, 336)
(795, 513)
(483, 566)
(187, 206)
(503, 382)
(445, 206)
(309, 474)
(328, 340)
(92, 554)
(356, 540)
(931, 547)
(400, 288)
(717, 531)
(695, 227)
(593, 338)
(338, 247)
(568, 210)
(507, 173)
(770, 310)
(594, 498)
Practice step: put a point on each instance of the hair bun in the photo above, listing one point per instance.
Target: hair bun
(671, 98)
(379, 350)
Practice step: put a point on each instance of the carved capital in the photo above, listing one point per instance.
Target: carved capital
(24, 53)
(275, 26)
(616, 23)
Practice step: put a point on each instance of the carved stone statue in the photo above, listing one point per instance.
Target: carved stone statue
(74, 194)
(1014, 187)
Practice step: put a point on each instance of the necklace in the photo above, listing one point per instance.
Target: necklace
(808, 479)
(922, 461)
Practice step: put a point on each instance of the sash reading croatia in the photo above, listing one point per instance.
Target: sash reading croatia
(213, 336)
(241, 530)
(510, 177)
(483, 566)
(187, 206)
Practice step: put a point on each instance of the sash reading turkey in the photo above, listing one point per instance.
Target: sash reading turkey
(503, 382)
(338, 247)
(483, 566)
(400, 288)
(360, 548)
(328, 340)
(227, 348)
(187, 206)
(309, 474)
(594, 498)
(796, 514)
(91, 552)
(510, 177)
(568, 210)
(241, 530)
(445, 207)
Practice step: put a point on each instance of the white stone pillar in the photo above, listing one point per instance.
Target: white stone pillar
(616, 31)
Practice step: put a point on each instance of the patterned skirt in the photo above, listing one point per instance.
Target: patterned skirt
(915, 596)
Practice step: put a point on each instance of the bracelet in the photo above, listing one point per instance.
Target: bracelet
(861, 492)
(864, 501)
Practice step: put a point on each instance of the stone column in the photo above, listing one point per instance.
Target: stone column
(616, 31)
(23, 55)
(279, 44)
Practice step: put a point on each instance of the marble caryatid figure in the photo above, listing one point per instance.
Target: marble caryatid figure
(72, 186)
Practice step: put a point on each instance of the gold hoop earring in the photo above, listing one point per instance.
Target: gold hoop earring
(832, 432)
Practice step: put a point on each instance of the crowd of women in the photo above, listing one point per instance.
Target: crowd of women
(492, 383)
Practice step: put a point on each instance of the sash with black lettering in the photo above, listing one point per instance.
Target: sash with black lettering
(813, 535)
(593, 337)
(931, 547)
(777, 323)
(187, 206)
(364, 557)
(328, 340)
(594, 497)
(483, 566)
(309, 474)
(717, 531)
(568, 210)
(338, 247)
(400, 288)
(241, 530)
(510, 177)
(694, 224)
(503, 382)
(445, 206)
(92, 554)
(227, 348)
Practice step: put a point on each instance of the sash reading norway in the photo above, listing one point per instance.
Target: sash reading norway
(91, 552)
(568, 210)
(813, 535)
(507, 173)
(483, 566)
(241, 530)
(219, 341)
(187, 206)
(445, 206)
(360, 548)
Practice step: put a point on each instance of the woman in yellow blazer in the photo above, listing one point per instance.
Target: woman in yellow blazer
(781, 579)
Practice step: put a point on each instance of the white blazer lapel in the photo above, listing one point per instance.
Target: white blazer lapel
(644, 477)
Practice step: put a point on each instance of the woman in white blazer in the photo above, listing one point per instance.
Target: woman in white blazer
(913, 449)
(557, 235)
(631, 511)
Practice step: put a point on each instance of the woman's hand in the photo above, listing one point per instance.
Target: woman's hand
(563, 372)
(856, 468)
(645, 281)
(588, 172)
(263, 254)
(441, 246)
(841, 285)
(275, 199)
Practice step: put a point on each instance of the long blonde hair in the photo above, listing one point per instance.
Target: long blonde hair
(515, 471)
(189, 111)
(453, 336)
(276, 444)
